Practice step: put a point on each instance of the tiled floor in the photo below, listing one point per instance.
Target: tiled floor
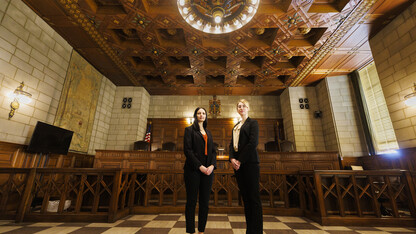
(175, 223)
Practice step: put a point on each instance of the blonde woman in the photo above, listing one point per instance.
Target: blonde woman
(245, 161)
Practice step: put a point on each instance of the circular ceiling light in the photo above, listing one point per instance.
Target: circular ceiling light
(217, 16)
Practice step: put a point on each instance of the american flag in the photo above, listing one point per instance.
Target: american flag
(148, 133)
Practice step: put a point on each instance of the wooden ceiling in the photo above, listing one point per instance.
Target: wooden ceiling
(147, 43)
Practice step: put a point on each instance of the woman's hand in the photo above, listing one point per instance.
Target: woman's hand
(235, 164)
(203, 169)
(210, 169)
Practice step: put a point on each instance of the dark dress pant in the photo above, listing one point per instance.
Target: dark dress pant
(197, 182)
(248, 176)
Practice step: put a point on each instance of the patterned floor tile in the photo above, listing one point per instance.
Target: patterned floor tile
(142, 217)
(160, 224)
(105, 224)
(394, 229)
(279, 231)
(177, 230)
(270, 219)
(302, 231)
(133, 223)
(341, 232)
(175, 224)
(360, 228)
(122, 230)
(154, 231)
(307, 226)
(218, 225)
(217, 218)
(4, 229)
(217, 231)
(58, 230)
(335, 228)
(238, 225)
(73, 225)
(372, 232)
(291, 219)
(275, 226)
(45, 224)
(90, 230)
(182, 224)
(239, 231)
(26, 230)
(168, 217)
(236, 218)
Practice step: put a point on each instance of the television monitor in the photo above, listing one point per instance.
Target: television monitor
(49, 139)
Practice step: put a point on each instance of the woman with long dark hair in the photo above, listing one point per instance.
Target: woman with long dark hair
(201, 159)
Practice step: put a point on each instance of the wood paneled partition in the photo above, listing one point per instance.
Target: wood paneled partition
(14, 155)
(172, 130)
(404, 159)
(166, 160)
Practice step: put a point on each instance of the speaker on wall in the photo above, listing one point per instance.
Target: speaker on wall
(127, 102)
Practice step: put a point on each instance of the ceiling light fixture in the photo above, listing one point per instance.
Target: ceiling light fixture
(217, 16)
(410, 99)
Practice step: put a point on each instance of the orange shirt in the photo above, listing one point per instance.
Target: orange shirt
(206, 143)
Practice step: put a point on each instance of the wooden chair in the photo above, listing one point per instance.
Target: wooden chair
(286, 146)
(169, 146)
(141, 145)
(271, 146)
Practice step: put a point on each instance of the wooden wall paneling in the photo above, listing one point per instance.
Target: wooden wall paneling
(292, 166)
(410, 155)
(15, 155)
(172, 130)
(139, 165)
(164, 160)
(320, 165)
(405, 159)
(9, 154)
(268, 166)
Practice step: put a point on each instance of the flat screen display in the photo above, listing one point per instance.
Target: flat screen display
(49, 139)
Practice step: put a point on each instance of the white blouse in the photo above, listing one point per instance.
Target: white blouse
(236, 135)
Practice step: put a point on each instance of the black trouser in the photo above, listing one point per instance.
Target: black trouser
(196, 181)
(248, 182)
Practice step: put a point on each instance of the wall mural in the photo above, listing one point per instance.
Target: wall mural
(78, 102)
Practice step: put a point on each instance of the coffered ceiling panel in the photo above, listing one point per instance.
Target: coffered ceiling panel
(147, 43)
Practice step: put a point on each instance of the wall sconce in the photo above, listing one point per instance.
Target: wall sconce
(410, 99)
(190, 120)
(19, 96)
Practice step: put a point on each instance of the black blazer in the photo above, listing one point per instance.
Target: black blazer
(247, 143)
(194, 149)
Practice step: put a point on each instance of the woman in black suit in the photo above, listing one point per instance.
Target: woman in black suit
(245, 161)
(201, 159)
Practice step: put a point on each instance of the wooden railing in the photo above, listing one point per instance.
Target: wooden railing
(359, 197)
(105, 195)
